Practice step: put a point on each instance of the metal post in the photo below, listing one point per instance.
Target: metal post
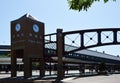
(115, 36)
(50, 68)
(82, 40)
(42, 59)
(60, 52)
(99, 37)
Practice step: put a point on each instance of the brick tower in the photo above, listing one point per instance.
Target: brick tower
(27, 42)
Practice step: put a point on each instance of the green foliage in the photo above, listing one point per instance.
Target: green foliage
(9, 54)
(36, 64)
(102, 66)
(3, 56)
(82, 4)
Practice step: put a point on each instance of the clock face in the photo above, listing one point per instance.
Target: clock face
(35, 28)
(17, 27)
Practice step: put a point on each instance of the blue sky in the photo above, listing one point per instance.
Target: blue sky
(56, 14)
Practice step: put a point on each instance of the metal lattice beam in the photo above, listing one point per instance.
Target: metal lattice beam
(100, 37)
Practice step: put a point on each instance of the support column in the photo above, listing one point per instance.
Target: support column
(42, 57)
(13, 64)
(60, 52)
(50, 69)
(27, 67)
(67, 69)
(42, 67)
(83, 69)
(80, 69)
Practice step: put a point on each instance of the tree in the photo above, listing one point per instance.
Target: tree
(82, 4)
(102, 68)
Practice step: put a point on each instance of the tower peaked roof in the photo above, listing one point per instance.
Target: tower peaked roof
(27, 15)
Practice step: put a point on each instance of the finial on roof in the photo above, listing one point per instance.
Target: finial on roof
(31, 17)
(27, 15)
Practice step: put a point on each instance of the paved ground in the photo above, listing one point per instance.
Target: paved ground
(114, 78)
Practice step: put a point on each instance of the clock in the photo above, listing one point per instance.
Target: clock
(35, 28)
(17, 27)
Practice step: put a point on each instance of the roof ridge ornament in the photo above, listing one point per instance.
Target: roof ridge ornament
(27, 15)
(31, 17)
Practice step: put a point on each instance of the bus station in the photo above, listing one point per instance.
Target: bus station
(30, 44)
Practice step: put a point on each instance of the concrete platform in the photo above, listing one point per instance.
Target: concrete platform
(113, 78)
(11, 80)
(26, 81)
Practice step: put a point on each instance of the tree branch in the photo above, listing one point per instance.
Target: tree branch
(80, 5)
